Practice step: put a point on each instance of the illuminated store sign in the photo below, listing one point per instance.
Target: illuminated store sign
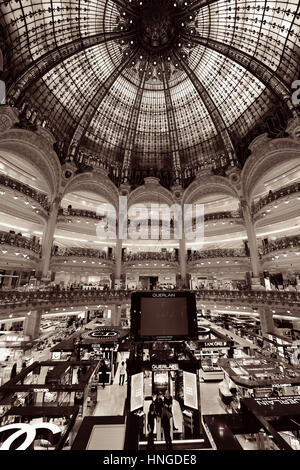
(213, 344)
(47, 431)
(156, 367)
(103, 333)
(268, 401)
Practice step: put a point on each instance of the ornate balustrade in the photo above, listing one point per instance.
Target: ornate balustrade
(70, 212)
(15, 300)
(81, 253)
(225, 215)
(274, 196)
(217, 253)
(284, 243)
(20, 242)
(28, 191)
(154, 256)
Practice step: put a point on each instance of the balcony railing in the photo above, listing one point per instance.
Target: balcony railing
(70, 212)
(274, 196)
(81, 253)
(154, 256)
(217, 253)
(284, 243)
(58, 297)
(221, 216)
(20, 242)
(28, 191)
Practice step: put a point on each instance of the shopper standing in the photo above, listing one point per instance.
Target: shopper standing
(158, 404)
(13, 371)
(150, 427)
(122, 373)
(168, 401)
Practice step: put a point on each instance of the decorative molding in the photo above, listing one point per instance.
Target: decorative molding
(293, 128)
(46, 134)
(35, 149)
(152, 191)
(94, 181)
(8, 117)
(209, 184)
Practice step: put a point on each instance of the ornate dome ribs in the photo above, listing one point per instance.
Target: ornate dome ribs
(151, 83)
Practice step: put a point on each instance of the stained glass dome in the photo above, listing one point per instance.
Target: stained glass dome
(150, 83)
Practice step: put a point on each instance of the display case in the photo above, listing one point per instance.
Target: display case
(210, 370)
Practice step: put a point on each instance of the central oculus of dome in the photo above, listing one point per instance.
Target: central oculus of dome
(157, 26)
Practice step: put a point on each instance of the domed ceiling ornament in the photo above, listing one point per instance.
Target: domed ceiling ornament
(158, 27)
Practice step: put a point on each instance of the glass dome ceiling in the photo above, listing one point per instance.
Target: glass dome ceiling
(150, 83)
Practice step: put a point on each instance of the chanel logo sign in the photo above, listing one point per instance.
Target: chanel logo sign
(101, 334)
(48, 431)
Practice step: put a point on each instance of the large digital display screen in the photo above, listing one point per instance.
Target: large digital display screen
(164, 317)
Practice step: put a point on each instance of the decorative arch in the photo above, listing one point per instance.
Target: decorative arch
(37, 150)
(96, 182)
(208, 184)
(266, 153)
(152, 192)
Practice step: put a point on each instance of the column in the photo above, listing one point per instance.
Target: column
(266, 320)
(117, 315)
(252, 243)
(32, 324)
(48, 237)
(182, 258)
(118, 263)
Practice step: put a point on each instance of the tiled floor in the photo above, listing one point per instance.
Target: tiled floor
(210, 399)
(111, 400)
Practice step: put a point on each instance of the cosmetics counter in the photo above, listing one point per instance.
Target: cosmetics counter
(156, 369)
(208, 349)
(52, 383)
(256, 377)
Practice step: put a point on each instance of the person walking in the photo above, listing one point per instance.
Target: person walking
(103, 373)
(122, 373)
(165, 422)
